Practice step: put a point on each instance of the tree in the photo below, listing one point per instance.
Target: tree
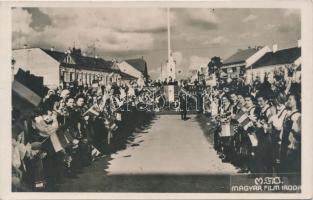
(214, 65)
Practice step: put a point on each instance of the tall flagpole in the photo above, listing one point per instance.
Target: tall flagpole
(168, 34)
(161, 72)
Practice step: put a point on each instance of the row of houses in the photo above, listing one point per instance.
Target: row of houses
(259, 62)
(73, 66)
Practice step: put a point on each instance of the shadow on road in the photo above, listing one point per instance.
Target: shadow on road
(152, 183)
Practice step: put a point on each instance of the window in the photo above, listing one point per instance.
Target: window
(87, 79)
(67, 59)
(72, 76)
(84, 78)
(66, 76)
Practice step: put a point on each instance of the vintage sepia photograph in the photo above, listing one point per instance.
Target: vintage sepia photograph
(156, 99)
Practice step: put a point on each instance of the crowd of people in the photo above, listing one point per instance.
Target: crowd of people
(73, 126)
(258, 124)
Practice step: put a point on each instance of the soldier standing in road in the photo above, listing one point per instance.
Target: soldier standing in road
(183, 107)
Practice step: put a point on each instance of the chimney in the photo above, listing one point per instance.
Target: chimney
(25, 46)
(275, 48)
(76, 51)
(299, 43)
(84, 54)
(52, 49)
(96, 56)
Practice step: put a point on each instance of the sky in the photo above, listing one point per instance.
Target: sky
(197, 34)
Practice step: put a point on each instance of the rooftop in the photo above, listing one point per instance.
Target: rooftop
(83, 61)
(127, 76)
(240, 56)
(284, 56)
(58, 56)
(80, 60)
(140, 64)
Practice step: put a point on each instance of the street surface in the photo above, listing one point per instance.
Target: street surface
(171, 146)
(171, 155)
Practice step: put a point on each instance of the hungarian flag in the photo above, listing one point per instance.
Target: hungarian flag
(243, 119)
(25, 93)
(227, 129)
(93, 111)
(57, 141)
(95, 153)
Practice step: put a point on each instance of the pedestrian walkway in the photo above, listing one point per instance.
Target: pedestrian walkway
(170, 146)
(169, 156)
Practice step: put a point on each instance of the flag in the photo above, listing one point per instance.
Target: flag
(241, 116)
(57, 141)
(247, 125)
(92, 111)
(113, 127)
(95, 153)
(17, 129)
(25, 93)
(243, 119)
(227, 129)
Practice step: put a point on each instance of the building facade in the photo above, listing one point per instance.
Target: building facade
(136, 68)
(277, 62)
(236, 65)
(70, 66)
(38, 62)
